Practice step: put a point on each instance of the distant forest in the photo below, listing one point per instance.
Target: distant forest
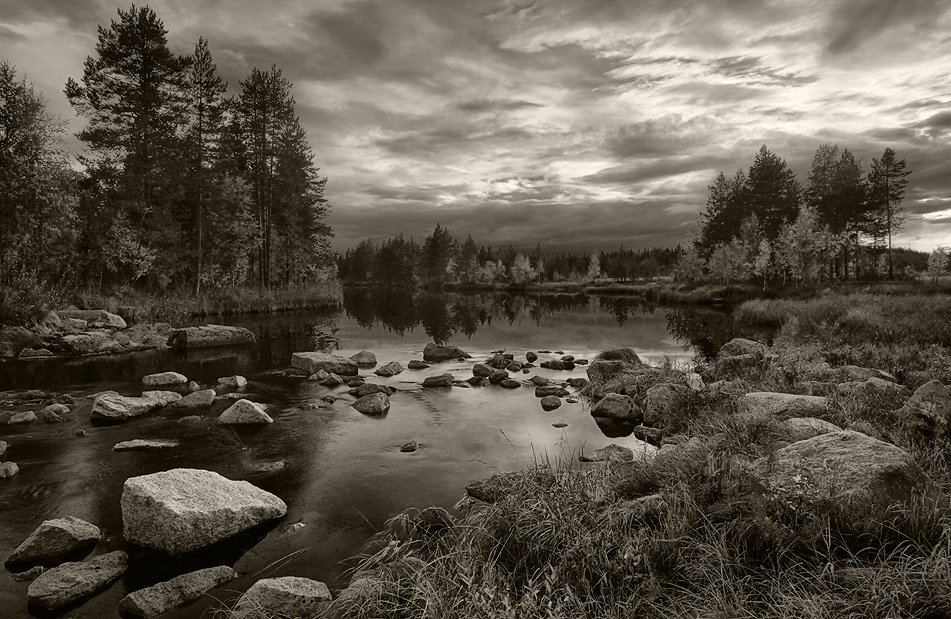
(180, 185)
(442, 259)
(764, 225)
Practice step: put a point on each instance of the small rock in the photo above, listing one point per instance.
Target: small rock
(244, 412)
(356, 381)
(287, 596)
(482, 370)
(139, 444)
(35, 353)
(80, 432)
(409, 447)
(740, 346)
(550, 402)
(571, 400)
(373, 404)
(390, 369)
(559, 424)
(364, 359)
(193, 386)
(55, 538)
(568, 359)
(531, 357)
(497, 376)
(555, 364)
(611, 453)
(31, 574)
(435, 352)
(72, 581)
(202, 398)
(369, 388)
(695, 381)
(8, 469)
(930, 403)
(48, 416)
(577, 382)
(514, 366)
(416, 364)
(331, 380)
(854, 372)
(163, 379)
(311, 362)
(59, 409)
(22, 418)
(329, 399)
(508, 383)
(164, 596)
(233, 382)
(477, 381)
(443, 380)
(3, 447)
(191, 419)
(540, 381)
(555, 390)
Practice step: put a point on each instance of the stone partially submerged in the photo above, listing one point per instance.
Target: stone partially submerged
(244, 412)
(164, 596)
(373, 404)
(110, 407)
(55, 538)
(436, 352)
(181, 510)
(73, 581)
(313, 362)
(207, 336)
(287, 596)
(163, 379)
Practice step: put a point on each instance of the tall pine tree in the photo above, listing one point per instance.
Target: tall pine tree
(887, 180)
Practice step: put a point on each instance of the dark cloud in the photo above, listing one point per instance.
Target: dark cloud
(658, 137)
(856, 23)
(493, 105)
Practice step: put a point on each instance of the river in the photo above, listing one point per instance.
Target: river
(341, 473)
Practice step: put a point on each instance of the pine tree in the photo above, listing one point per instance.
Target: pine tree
(887, 180)
(438, 249)
(773, 193)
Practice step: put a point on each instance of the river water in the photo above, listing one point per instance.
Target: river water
(341, 473)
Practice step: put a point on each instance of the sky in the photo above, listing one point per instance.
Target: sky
(576, 124)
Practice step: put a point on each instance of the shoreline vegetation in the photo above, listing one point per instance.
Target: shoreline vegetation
(829, 501)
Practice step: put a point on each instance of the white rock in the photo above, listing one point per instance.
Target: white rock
(244, 412)
(163, 379)
(233, 382)
(164, 596)
(139, 444)
(288, 596)
(74, 580)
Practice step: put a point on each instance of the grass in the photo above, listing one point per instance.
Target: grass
(693, 533)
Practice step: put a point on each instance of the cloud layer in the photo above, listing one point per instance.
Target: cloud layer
(566, 122)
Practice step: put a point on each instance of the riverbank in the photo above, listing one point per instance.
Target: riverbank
(830, 501)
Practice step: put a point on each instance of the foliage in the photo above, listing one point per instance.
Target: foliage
(937, 263)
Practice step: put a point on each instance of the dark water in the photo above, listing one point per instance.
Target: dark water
(341, 473)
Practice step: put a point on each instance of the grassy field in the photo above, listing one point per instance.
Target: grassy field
(692, 533)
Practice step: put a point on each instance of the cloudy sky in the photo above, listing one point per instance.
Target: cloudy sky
(574, 123)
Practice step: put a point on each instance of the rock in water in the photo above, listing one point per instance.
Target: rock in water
(95, 318)
(55, 538)
(443, 380)
(618, 407)
(139, 444)
(482, 370)
(409, 447)
(550, 402)
(233, 382)
(508, 383)
(75, 580)
(416, 364)
(547, 390)
(368, 388)
(164, 596)
(390, 369)
(8, 469)
(162, 398)
(313, 362)
(110, 407)
(183, 509)
(288, 596)
(435, 352)
(364, 359)
(611, 453)
(373, 404)
(244, 412)
(202, 398)
(209, 335)
(164, 378)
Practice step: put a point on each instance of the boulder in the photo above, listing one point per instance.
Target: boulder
(202, 398)
(550, 402)
(54, 538)
(497, 376)
(8, 469)
(184, 509)
(443, 380)
(870, 389)
(96, 319)
(50, 323)
(801, 428)
(514, 366)
(780, 405)
(164, 596)
(35, 353)
(73, 581)
(233, 382)
(48, 415)
(162, 398)
(854, 372)
(577, 382)
(482, 370)
(370, 388)
(91, 343)
(435, 352)
(140, 444)
(163, 379)
(287, 596)
(244, 412)
(22, 417)
(477, 381)
(356, 381)
(930, 404)
(554, 364)
(663, 402)
(547, 390)
(497, 361)
(331, 380)
(740, 346)
(509, 383)
(364, 359)
(540, 381)
(312, 362)
(58, 409)
(640, 452)
(531, 357)
(617, 407)
(416, 364)
(863, 475)
(207, 336)
(373, 404)
(110, 407)
(15, 339)
(390, 369)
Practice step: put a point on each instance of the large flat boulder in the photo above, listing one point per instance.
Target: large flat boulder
(313, 362)
(437, 352)
(92, 343)
(96, 319)
(55, 538)
(163, 379)
(207, 336)
(860, 474)
(110, 407)
(164, 596)
(73, 581)
(781, 405)
(287, 596)
(181, 510)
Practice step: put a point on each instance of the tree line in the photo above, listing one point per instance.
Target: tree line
(180, 185)
(442, 259)
(764, 224)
